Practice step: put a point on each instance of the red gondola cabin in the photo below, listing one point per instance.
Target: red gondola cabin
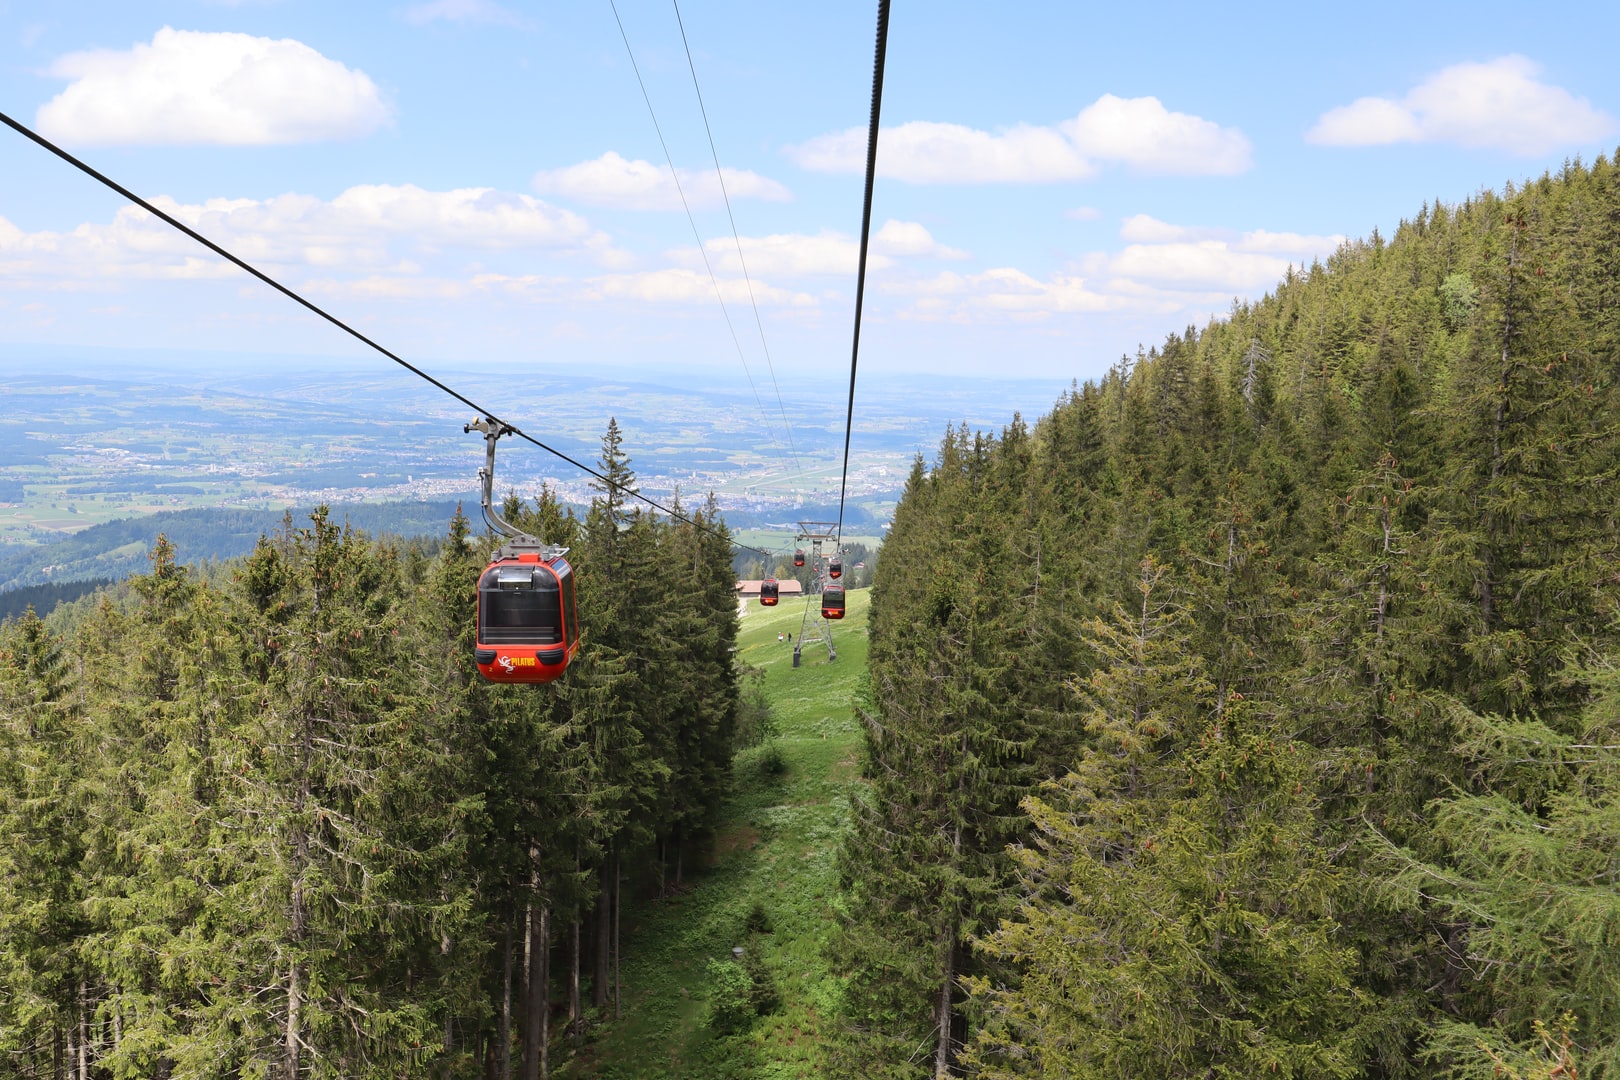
(835, 569)
(770, 592)
(528, 630)
(798, 557)
(832, 602)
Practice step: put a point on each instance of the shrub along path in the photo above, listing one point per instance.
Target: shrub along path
(773, 859)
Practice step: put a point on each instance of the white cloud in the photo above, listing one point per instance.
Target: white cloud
(1367, 121)
(1165, 269)
(1200, 262)
(1497, 105)
(1288, 243)
(468, 11)
(672, 285)
(1150, 230)
(468, 217)
(782, 254)
(360, 229)
(827, 252)
(387, 287)
(133, 245)
(1142, 133)
(908, 238)
(1083, 213)
(1179, 256)
(613, 181)
(676, 286)
(1013, 290)
(1138, 132)
(925, 152)
(998, 294)
(228, 89)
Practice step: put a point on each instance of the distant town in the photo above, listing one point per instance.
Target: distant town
(100, 445)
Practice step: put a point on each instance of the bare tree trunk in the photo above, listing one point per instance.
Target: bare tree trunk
(300, 925)
(604, 938)
(294, 1000)
(576, 1013)
(543, 958)
(618, 889)
(84, 1032)
(535, 997)
(503, 1051)
(295, 986)
(300, 865)
(942, 1052)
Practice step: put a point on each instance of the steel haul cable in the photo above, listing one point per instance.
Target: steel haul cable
(346, 328)
(742, 262)
(866, 232)
(697, 237)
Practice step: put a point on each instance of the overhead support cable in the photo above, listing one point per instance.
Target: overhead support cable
(741, 261)
(692, 221)
(347, 329)
(866, 232)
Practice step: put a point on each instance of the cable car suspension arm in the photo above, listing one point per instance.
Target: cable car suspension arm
(520, 541)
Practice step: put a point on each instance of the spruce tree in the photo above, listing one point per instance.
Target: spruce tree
(1176, 911)
(43, 963)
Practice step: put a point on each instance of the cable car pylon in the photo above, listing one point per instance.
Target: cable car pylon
(814, 629)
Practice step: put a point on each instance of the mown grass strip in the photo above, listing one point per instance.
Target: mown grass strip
(776, 841)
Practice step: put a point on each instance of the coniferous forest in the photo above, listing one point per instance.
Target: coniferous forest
(1256, 712)
(281, 828)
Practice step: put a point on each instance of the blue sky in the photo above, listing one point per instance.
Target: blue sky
(477, 183)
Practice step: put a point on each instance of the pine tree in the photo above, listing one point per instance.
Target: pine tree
(1534, 886)
(159, 684)
(951, 752)
(43, 965)
(343, 829)
(1176, 911)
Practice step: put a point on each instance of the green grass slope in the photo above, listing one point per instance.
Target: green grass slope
(777, 838)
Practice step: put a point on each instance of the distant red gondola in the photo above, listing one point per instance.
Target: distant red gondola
(835, 569)
(832, 602)
(769, 592)
(798, 557)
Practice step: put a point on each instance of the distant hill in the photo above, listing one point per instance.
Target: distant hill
(14, 603)
(118, 548)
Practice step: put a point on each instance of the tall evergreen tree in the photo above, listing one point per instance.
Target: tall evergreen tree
(1176, 918)
(43, 1011)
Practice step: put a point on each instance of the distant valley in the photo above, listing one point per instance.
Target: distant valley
(217, 450)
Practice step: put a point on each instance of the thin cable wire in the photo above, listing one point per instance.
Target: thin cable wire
(690, 220)
(866, 232)
(346, 328)
(724, 194)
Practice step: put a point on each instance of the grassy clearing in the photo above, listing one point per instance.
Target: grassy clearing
(777, 838)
